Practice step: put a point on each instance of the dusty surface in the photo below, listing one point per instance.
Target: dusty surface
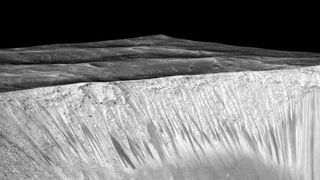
(113, 130)
(137, 58)
(226, 113)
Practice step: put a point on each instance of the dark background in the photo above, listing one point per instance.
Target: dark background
(270, 28)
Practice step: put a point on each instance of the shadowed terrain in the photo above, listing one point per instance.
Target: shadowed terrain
(136, 58)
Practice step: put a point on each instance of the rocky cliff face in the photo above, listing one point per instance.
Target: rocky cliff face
(217, 124)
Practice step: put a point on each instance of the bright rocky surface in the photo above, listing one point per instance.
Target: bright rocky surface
(163, 108)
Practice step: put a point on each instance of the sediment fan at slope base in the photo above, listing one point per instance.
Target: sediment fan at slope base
(236, 125)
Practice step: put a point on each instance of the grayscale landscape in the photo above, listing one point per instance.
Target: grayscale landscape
(160, 108)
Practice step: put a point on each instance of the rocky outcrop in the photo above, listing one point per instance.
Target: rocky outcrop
(246, 125)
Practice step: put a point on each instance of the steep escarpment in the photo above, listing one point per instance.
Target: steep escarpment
(249, 125)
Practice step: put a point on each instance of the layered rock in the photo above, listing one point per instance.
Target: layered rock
(137, 58)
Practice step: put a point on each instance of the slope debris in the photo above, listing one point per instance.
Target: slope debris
(246, 124)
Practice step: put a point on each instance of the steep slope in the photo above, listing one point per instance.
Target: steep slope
(238, 125)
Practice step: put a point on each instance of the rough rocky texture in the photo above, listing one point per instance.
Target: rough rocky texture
(137, 58)
(227, 125)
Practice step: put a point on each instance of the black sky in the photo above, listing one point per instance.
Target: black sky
(293, 32)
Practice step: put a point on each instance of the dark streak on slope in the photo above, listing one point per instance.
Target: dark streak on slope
(124, 157)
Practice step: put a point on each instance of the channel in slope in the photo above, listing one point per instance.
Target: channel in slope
(250, 125)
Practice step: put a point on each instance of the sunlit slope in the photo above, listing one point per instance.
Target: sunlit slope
(265, 121)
